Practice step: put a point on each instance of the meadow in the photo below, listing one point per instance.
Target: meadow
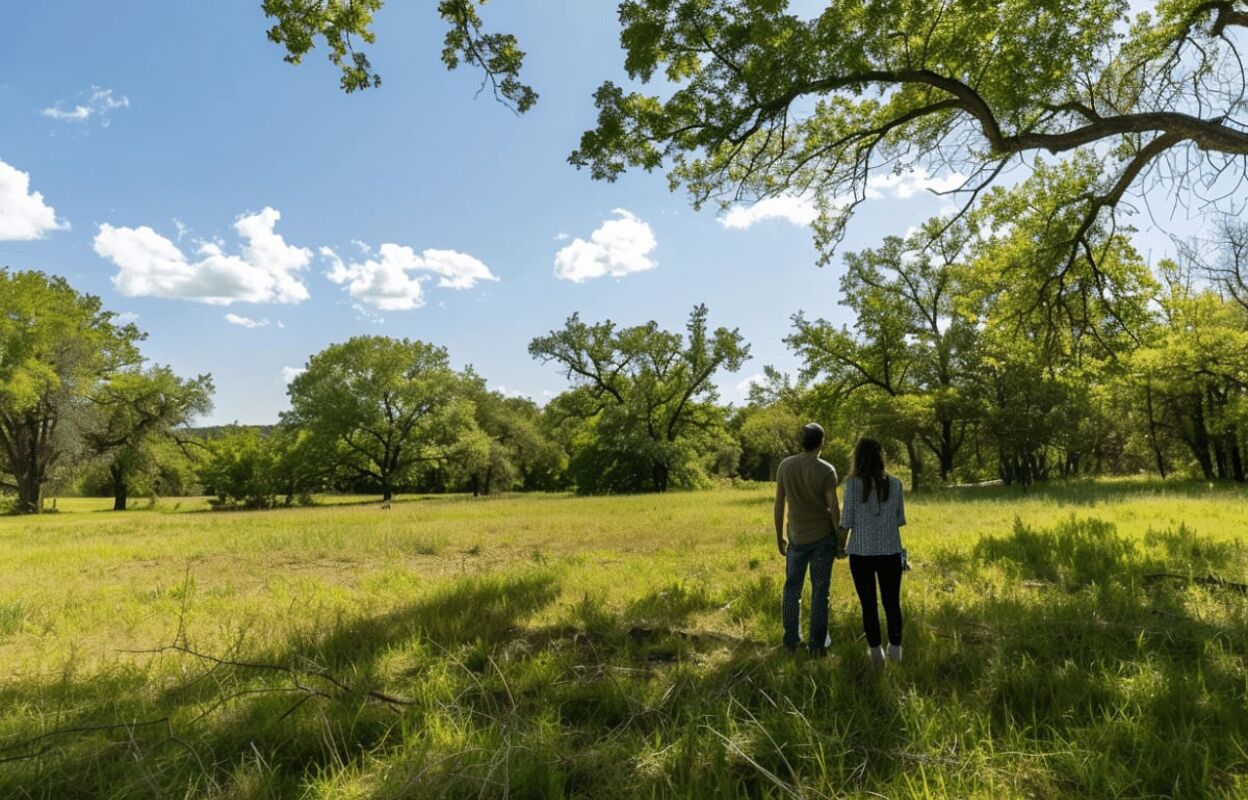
(1060, 642)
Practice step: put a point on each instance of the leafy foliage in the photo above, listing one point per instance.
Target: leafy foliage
(57, 349)
(646, 395)
(759, 102)
(135, 409)
(386, 406)
(339, 23)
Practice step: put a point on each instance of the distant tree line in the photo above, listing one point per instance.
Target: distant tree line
(963, 358)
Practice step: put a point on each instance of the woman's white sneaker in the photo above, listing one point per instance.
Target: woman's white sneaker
(894, 652)
(876, 654)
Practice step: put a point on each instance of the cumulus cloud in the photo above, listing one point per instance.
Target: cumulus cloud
(96, 104)
(801, 210)
(23, 214)
(393, 278)
(246, 322)
(266, 270)
(508, 392)
(797, 210)
(757, 379)
(911, 182)
(618, 247)
(290, 373)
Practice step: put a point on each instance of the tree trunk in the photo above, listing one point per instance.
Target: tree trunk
(946, 450)
(1237, 460)
(29, 494)
(121, 491)
(1200, 437)
(916, 466)
(387, 493)
(1152, 430)
(661, 476)
(489, 479)
(1219, 458)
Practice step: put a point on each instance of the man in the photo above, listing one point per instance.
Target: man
(807, 484)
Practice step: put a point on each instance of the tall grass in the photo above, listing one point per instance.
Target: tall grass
(551, 646)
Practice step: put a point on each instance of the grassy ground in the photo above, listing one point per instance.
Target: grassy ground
(553, 646)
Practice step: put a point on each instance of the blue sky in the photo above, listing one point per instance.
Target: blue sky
(165, 136)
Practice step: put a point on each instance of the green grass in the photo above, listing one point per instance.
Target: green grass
(550, 646)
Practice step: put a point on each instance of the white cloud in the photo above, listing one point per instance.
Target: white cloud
(911, 182)
(795, 209)
(801, 210)
(246, 322)
(98, 103)
(560, 236)
(505, 392)
(265, 271)
(126, 317)
(618, 247)
(393, 279)
(23, 214)
(757, 379)
(290, 373)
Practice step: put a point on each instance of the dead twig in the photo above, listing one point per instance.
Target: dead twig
(1210, 581)
(294, 673)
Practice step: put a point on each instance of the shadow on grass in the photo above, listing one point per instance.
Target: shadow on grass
(267, 727)
(1086, 683)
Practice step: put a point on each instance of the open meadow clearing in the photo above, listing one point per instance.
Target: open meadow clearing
(553, 646)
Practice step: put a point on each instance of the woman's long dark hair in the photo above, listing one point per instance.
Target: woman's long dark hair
(869, 469)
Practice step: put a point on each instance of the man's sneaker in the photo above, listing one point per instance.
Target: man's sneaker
(876, 654)
(894, 652)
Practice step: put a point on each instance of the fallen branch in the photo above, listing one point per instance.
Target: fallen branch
(293, 673)
(1210, 581)
(111, 726)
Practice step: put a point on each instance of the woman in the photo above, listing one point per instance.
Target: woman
(874, 511)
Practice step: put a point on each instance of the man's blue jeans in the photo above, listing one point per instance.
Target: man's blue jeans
(818, 556)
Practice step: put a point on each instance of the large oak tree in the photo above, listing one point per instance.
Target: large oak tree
(643, 387)
(57, 348)
(388, 405)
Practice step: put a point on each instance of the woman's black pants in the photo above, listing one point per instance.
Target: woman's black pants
(887, 570)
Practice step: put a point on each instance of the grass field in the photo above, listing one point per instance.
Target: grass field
(551, 646)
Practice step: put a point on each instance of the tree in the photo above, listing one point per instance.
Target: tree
(907, 363)
(758, 102)
(56, 349)
(136, 408)
(388, 405)
(239, 469)
(645, 394)
(1198, 365)
(768, 433)
(339, 23)
(513, 449)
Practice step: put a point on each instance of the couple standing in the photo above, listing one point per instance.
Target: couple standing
(818, 528)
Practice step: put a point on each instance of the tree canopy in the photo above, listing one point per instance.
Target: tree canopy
(57, 347)
(345, 25)
(761, 102)
(388, 405)
(648, 391)
(134, 409)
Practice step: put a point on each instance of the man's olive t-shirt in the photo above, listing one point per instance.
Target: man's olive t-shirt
(807, 480)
